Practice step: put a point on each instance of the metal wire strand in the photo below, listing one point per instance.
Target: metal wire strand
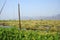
(3, 6)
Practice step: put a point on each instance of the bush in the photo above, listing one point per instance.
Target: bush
(9, 33)
(16, 34)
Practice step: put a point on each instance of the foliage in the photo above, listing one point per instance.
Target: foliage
(38, 35)
(16, 34)
(48, 30)
(9, 33)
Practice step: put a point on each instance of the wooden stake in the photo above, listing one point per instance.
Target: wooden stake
(19, 16)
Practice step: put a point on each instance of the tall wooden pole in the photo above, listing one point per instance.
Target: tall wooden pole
(19, 15)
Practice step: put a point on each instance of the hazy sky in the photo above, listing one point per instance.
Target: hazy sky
(30, 8)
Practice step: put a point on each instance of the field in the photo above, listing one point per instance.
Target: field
(38, 35)
(52, 25)
(15, 34)
(46, 29)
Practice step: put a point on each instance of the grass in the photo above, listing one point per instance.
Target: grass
(53, 25)
(49, 30)
(38, 35)
(16, 34)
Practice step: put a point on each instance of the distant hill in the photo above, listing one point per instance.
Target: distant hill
(56, 17)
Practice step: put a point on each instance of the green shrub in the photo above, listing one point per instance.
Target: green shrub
(9, 33)
(16, 34)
